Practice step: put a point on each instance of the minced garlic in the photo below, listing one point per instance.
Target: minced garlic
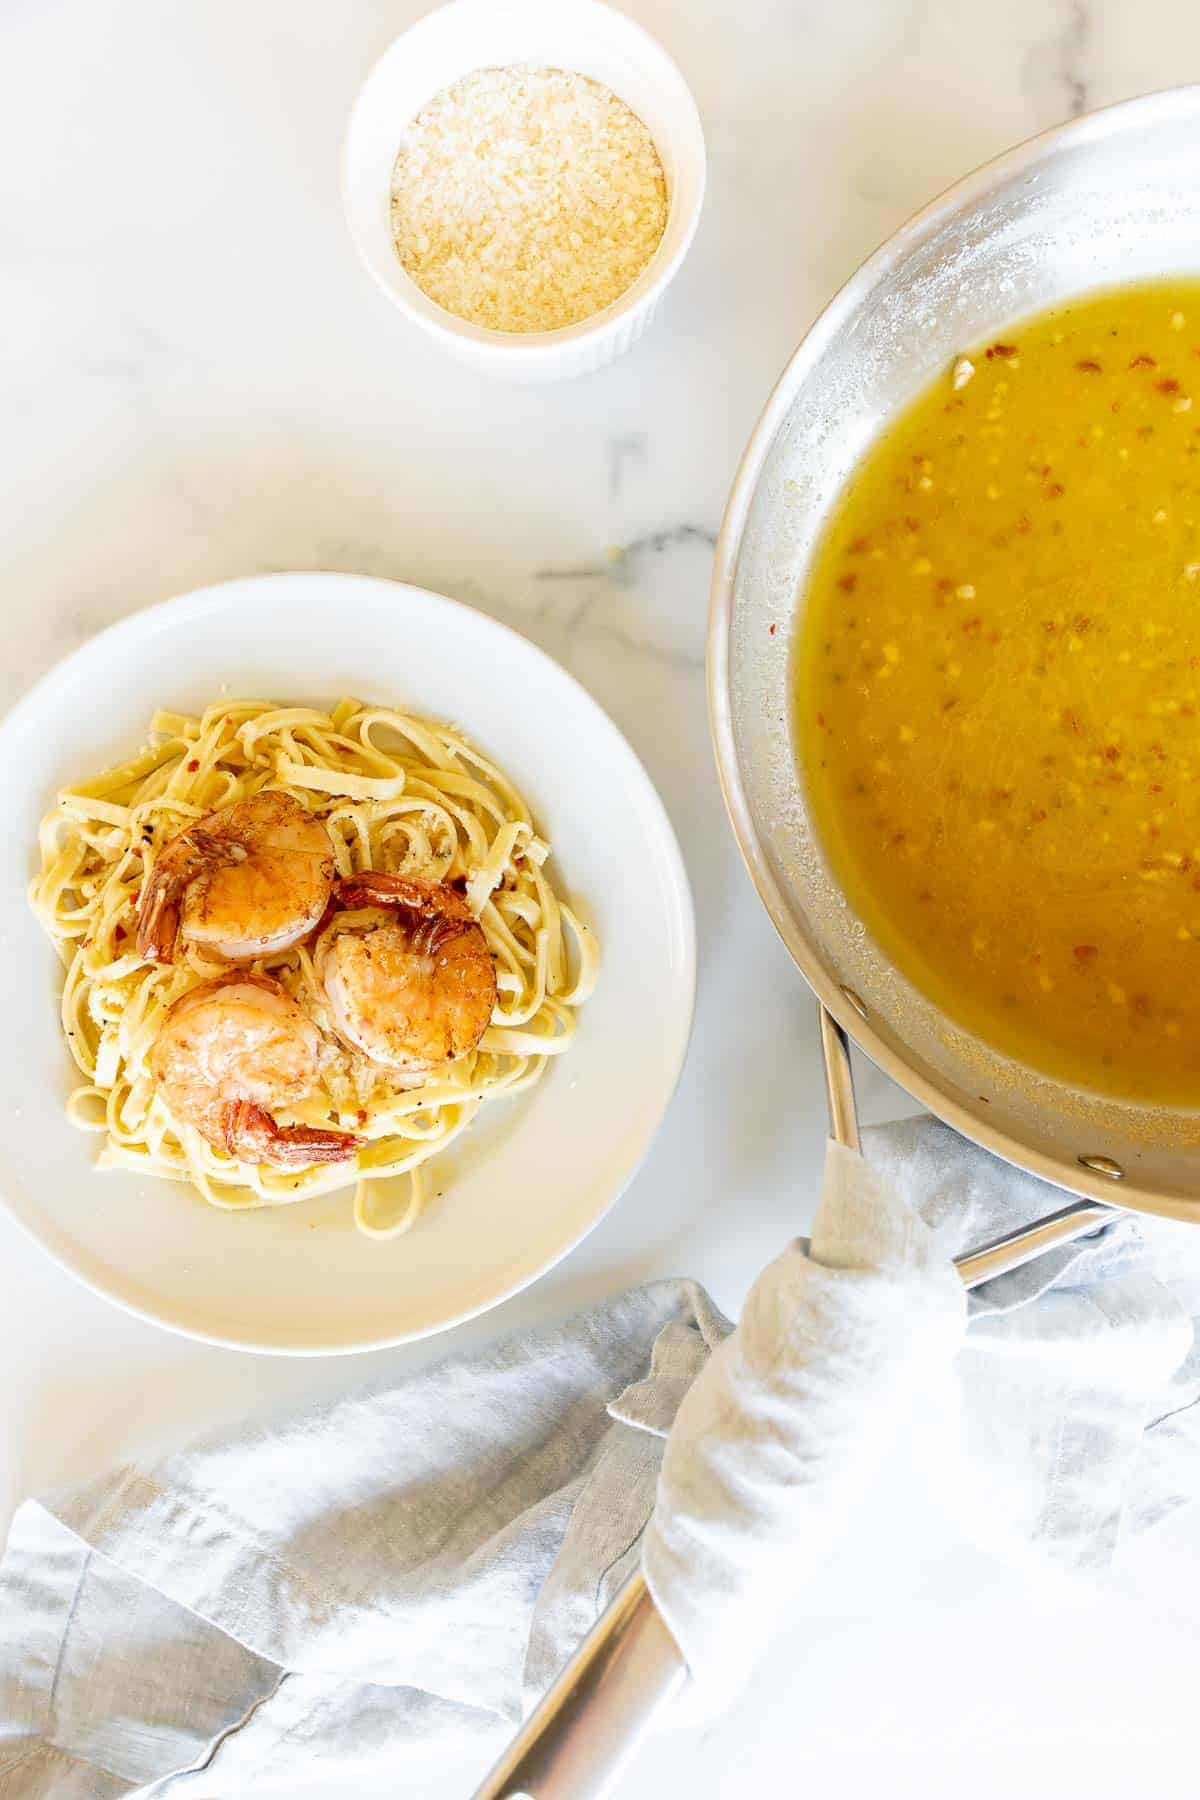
(526, 199)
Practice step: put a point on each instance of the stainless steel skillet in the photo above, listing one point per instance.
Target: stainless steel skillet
(1109, 198)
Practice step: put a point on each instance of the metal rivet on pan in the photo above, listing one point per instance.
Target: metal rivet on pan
(855, 1002)
(1103, 1165)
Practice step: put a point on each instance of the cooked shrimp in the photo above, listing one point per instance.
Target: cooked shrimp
(227, 1055)
(246, 881)
(413, 989)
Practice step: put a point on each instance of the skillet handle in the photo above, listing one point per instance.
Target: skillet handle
(580, 1736)
(1015, 1248)
(1009, 1251)
(839, 1081)
(628, 1668)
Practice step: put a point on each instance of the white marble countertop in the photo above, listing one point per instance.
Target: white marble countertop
(198, 381)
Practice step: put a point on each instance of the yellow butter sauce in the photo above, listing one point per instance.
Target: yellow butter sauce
(997, 692)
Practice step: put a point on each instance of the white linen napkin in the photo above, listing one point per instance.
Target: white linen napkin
(361, 1598)
(783, 1431)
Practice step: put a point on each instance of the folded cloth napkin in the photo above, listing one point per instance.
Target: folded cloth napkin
(363, 1597)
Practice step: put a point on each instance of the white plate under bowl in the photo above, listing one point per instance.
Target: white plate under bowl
(532, 1176)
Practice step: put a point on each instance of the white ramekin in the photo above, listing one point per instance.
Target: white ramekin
(582, 35)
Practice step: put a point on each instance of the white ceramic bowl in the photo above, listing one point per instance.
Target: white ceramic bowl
(581, 35)
(530, 1177)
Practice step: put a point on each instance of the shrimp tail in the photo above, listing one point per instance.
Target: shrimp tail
(372, 887)
(189, 855)
(252, 1136)
(158, 916)
(440, 911)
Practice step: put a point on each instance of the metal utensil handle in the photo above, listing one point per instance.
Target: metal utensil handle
(575, 1742)
(1013, 1249)
(579, 1737)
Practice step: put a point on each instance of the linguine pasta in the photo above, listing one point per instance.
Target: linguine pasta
(396, 793)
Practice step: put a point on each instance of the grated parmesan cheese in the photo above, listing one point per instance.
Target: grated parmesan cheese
(526, 199)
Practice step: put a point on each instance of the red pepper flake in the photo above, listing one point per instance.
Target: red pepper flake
(944, 585)
(1168, 385)
(773, 630)
(1040, 815)
(193, 765)
(1024, 525)
(912, 524)
(1083, 622)
(1049, 627)
(973, 625)
(362, 1115)
(1055, 491)
(1156, 787)
(1071, 720)
(1112, 753)
(1088, 366)
(860, 546)
(821, 720)
(848, 583)
(1085, 953)
(120, 933)
(1000, 350)
(1144, 361)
